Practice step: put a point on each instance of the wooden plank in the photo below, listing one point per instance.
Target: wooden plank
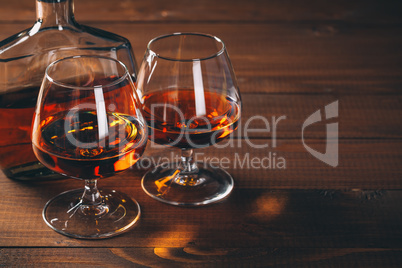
(370, 11)
(314, 58)
(283, 116)
(299, 58)
(369, 164)
(291, 61)
(355, 217)
(248, 218)
(359, 117)
(202, 257)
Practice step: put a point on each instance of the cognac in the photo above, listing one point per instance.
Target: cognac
(24, 57)
(73, 145)
(173, 118)
(17, 159)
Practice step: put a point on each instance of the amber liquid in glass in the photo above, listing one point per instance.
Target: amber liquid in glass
(73, 145)
(179, 119)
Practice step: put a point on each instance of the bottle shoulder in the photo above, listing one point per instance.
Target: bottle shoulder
(38, 39)
(25, 55)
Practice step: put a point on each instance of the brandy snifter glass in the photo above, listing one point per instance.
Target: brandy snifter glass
(190, 99)
(87, 126)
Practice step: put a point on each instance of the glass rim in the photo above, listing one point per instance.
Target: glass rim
(217, 39)
(117, 81)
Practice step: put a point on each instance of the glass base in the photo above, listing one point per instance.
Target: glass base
(206, 186)
(67, 215)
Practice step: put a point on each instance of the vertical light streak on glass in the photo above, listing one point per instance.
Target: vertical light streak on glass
(103, 130)
(200, 108)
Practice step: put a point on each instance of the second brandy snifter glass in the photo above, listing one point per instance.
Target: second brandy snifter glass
(87, 126)
(190, 100)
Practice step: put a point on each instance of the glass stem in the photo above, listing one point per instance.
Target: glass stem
(91, 196)
(187, 165)
(188, 175)
(92, 202)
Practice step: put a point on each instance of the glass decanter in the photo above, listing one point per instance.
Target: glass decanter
(23, 60)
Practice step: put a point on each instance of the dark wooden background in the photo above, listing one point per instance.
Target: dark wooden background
(291, 58)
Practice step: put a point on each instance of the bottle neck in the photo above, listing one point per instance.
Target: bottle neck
(55, 12)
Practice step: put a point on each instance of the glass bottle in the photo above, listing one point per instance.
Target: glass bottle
(23, 60)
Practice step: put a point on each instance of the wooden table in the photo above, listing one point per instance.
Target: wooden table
(291, 60)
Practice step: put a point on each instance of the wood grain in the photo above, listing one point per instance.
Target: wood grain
(371, 164)
(370, 11)
(363, 164)
(313, 58)
(359, 117)
(275, 117)
(249, 218)
(291, 59)
(202, 257)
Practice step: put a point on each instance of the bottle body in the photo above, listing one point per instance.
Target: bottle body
(23, 60)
